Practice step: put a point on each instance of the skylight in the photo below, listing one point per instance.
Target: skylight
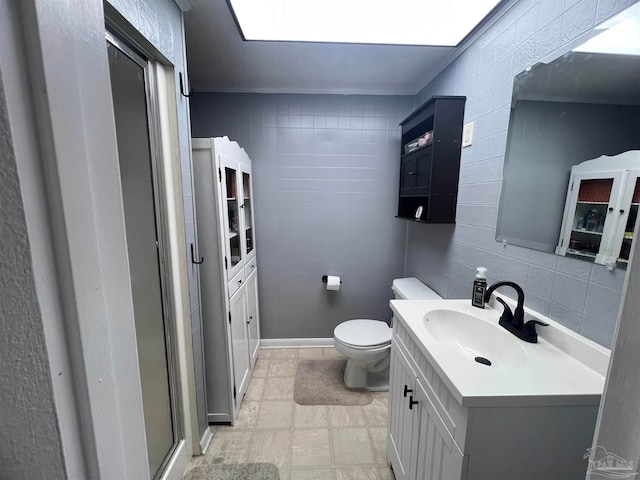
(393, 22)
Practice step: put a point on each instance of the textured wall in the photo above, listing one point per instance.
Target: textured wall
(160, 21)
(30, 444)
(325, 171)
(582, 296)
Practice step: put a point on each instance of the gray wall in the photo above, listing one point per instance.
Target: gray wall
(30, 444)
(582, 296)
(160, 22)
(325, 172)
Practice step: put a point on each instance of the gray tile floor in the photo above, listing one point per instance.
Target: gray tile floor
(305, 442)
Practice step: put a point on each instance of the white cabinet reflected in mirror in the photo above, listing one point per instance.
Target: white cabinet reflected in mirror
(580, 105)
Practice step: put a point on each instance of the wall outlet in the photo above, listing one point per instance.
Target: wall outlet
(467, 134)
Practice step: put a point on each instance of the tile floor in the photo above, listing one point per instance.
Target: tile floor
(305, 442)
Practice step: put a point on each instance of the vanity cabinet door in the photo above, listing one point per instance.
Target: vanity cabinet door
(400, 445)
(438, 457)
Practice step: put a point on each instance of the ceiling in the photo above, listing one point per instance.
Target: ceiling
(219, 60)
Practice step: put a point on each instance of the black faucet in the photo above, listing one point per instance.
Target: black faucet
(514, 322)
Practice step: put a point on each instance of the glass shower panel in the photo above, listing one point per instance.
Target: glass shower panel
(129, 91)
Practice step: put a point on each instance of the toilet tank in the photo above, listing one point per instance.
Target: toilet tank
(412, 289)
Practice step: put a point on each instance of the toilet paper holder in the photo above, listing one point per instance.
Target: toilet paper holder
(324, 279)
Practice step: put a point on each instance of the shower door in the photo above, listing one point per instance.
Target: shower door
(134, 110)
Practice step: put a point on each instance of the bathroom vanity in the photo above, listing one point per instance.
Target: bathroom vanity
(531, 414)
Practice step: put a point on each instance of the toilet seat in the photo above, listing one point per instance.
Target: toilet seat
(363, 334)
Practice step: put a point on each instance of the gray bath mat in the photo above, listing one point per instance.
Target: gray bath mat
(320, 382)
(237, 471)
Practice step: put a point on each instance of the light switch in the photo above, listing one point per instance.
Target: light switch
(467, 134)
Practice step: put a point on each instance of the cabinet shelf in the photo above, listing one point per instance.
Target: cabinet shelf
(590, 232)
(231, 199)
(587, 202)
(233, 234)
(581, 253)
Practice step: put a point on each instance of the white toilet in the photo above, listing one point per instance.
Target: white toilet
(367, 343)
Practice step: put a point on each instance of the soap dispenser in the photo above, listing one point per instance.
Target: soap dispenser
(479, 288)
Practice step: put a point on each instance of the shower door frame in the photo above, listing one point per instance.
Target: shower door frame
(146, 62)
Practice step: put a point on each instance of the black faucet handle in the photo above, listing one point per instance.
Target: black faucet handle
(507, 315)
(530, 327)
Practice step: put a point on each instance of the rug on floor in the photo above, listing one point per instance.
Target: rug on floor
(234, 471)
(320, 382)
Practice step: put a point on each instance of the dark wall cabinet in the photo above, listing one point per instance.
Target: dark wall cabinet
(430, 161)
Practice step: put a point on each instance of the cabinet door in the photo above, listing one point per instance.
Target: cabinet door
(627, 213)
(247, 213)
(231, 188)
(589, 221)
(400, 446)
(415, 172)
(253, 323)
(239, 344)
(437, 456)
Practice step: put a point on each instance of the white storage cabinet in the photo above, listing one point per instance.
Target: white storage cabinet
(228, 276)
(601, 209)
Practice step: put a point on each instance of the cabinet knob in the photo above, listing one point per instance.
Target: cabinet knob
(407, 390)
(239, 282)
(412, 402)
(611, 209)
(621, 210)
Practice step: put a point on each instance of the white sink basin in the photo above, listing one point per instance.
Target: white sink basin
(472, 337)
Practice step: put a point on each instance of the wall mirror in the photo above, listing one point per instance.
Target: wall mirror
(579, 105)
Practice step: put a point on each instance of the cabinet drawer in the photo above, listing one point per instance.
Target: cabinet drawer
(250, 267)
(236, 282)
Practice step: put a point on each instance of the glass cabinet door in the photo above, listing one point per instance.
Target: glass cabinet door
(590, 216)
(631, 209)
(247, 207)
(233, 216)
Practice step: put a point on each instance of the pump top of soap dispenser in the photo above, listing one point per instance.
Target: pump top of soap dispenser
(482, 273)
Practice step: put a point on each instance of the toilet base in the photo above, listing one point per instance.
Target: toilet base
(374, 378)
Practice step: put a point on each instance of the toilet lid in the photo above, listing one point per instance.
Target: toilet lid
(363, 333)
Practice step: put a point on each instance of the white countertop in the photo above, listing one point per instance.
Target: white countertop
(563, 368)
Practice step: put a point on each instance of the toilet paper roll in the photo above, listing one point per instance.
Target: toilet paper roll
(333, 282)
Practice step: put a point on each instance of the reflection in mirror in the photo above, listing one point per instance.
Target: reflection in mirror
(578, 106)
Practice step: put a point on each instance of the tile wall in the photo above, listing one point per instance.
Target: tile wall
(325, 172)
(582, 296)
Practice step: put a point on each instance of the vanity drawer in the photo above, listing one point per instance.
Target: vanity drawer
(453, 415)
(236, 282)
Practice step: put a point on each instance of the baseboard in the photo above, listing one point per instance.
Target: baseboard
(178, 464)
(205, 440)
(296, 342)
